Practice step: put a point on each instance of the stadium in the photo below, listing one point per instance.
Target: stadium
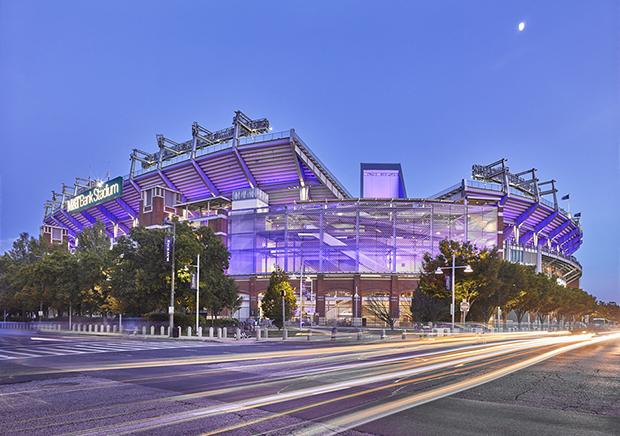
(273, 202)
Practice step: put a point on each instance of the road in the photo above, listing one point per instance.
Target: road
(509, 384)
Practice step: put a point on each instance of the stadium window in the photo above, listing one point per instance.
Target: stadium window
(148, 200)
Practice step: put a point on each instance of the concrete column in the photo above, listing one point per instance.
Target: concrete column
(107, 328)
(152, 330)
(200, 332)
(219, 333)
(224, 332)
(394, 298)
(162, 330)
(189, 332)
(254, 312)
(90, 328)
(114, 327)
(210, 332)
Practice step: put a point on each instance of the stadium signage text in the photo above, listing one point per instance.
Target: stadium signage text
(94, 196)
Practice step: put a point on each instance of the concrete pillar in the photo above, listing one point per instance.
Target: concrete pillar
(359, 335)
(284, 334)
(382, 333)
(114, 327)
(143, 330)
(107, 328)
(238, 333)
(210, 332)
(152, 330)
(224, 332)
(90, 328)
(266, 331)
(162, 330)
(168, 331)
(179, 331)
(219, 333)
(200, 332)
(258, 334)
(309, 336)
(394, 298)
(320, 299)
(189, 332)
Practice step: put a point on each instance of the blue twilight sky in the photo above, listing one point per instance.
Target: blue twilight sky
(435, 85)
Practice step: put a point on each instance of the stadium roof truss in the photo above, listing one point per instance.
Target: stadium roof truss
(531, 212)
(209, 165)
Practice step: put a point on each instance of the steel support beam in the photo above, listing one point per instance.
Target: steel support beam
(109, 215)
(72, 220)
(91, 219)
(525, 238)
(245, 169)
(135, 186)
(205, 179)
(568, 237)
(526, 214)
(555, 232)
(545, 222)
(508, 231)
(132, 213)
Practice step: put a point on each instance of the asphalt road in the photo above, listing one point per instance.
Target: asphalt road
(510, 384)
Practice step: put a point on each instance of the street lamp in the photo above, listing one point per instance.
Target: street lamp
(439, 271)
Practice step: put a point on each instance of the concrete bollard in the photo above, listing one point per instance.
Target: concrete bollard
(382, 333)
(107, 328)
(168, 331)
(189, 332)
(359, 335)
(284, 334)
(404, 335)
(200, 332)
(210, 332)
(152, 330)
(266, 332)
(162, 330)
(225, 332)
(309, 335)
(219, 333)
(333, 335)
(258, 334)
(143, 330)
(114, 328)
(238, 333)
(90, 328)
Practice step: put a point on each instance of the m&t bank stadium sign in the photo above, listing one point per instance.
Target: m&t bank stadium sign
(94, 196)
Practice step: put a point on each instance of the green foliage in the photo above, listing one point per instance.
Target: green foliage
(132, 278)
(272, 301)
(493, 283)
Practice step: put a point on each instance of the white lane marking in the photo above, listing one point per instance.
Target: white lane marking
(47, 339)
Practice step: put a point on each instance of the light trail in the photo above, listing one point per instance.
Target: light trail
(388, 408)
(180, 417)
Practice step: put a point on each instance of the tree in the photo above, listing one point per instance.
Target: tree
(272, 301)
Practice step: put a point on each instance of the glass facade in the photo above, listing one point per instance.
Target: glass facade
(352, 236)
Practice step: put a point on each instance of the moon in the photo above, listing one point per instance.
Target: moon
(521, 26)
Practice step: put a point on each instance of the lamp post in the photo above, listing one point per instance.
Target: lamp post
(453, 269)
(171, 307)
(197, 266)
